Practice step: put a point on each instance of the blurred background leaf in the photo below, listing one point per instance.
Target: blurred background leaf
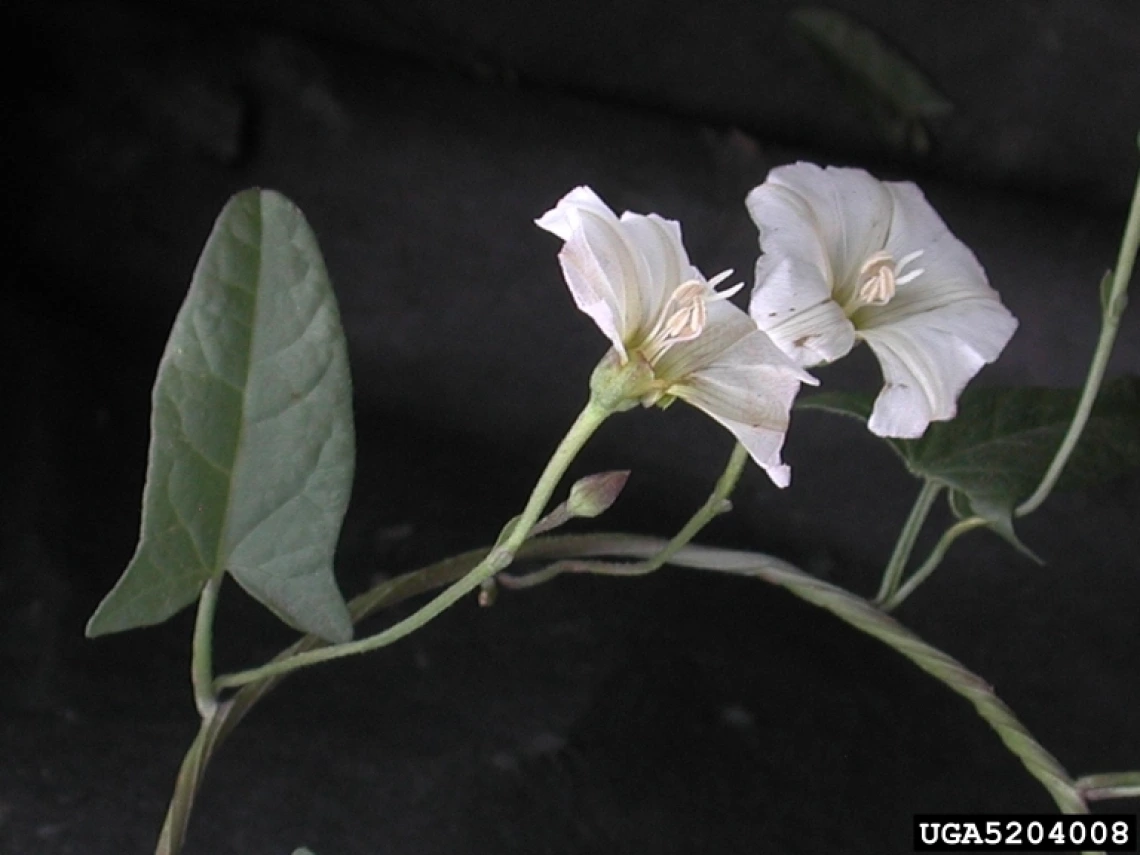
(897, 97)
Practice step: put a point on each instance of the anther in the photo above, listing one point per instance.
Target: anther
(879, 277)
(685, 314)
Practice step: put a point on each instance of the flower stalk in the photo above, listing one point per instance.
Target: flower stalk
(896, 566)
(894, 600)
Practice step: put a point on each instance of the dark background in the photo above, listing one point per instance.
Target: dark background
(674, 714)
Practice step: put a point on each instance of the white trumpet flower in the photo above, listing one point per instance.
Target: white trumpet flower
(846, 258)
(673, 334)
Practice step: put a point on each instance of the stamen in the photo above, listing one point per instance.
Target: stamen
(682, 319)
(876, 260)
(879, 277)
(878, 285)
(685, 313)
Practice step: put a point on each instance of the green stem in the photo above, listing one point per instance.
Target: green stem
(892, 575)
(1114, 785)
(932, 561)
(497, 559)
(867, 617)
(202, 649)
(186, 785)
(1111, 311)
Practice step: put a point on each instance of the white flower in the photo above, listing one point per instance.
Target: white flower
(847, 257)
(673, 334)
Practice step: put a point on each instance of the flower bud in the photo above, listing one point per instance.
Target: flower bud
(594, 494)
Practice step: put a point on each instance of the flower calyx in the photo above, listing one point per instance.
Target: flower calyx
(619, 384)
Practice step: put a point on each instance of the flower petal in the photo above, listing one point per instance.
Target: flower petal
(817, 227)
(662, 261)
(810, 328)
(941, 320)
(834, 217)
(950, 271)
(938, 330)
(600, 268)
(591, 289)
(952, 295)
(749, 389)
(925, 370)
(563, 219)
(725, 325)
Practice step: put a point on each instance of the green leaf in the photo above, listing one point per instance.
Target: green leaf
(995, 452)
(251, 453)
(897, 96)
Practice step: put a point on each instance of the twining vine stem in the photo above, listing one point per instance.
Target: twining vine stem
(868, 618)
(1069, 795)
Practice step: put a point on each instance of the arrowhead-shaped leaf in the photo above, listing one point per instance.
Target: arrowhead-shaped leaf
(251, 453)
(995, 452)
